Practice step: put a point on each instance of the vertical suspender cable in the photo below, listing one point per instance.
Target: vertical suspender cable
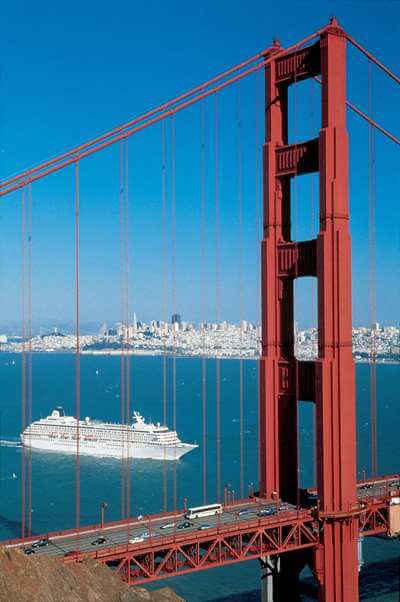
(239, 168)
(315, 328)
(372, 277)
(1, 437)
(23, 361)
(77, 355)
(258, 212)
(217, 302)
(258, 199)
(165, 294)
(124, 333)
(295, 288)
(259, 233)
(314, 321)
(126, 324)
(30, 334)
(127, 305)
(204, 422)
(203, 295)
(173, 237)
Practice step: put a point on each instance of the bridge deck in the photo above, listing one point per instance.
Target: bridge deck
(239, 533)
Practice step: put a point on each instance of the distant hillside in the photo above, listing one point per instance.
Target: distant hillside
(41, 579)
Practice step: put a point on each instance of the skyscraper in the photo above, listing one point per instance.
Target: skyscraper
(176, 318)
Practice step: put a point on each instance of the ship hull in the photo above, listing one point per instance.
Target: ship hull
(130, 450)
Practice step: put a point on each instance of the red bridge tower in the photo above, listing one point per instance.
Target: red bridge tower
(329, 382)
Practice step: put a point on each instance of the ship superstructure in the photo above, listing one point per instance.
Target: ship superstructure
(140, 439)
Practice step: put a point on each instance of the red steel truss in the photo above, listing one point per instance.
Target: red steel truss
(187, 553)
(298, 531)
(228, 544)
(233, 544)
(177, 554)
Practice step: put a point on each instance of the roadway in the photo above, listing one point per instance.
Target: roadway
(376, 487)
(149, 529)
(366, 489)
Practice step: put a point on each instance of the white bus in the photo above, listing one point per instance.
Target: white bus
(200, 511)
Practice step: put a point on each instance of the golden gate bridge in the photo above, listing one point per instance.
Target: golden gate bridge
(322, 527)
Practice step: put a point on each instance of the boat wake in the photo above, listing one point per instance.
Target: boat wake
(10, 443)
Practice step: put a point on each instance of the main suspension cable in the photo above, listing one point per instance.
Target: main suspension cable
(38, 172)
(372, 122)
(367, 118)
(373, 59)
(166, 105)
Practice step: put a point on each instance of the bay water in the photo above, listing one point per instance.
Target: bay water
(53, 474)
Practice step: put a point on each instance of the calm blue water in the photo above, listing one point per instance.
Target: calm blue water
(54, 474)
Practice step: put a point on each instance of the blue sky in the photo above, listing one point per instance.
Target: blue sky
(71, 71)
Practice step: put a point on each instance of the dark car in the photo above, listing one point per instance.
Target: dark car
(71, 554)
(312, 498)
(43, 542)
(268, 511)
(99, 541)
(244, 511)
(29, 551)
(184, 525)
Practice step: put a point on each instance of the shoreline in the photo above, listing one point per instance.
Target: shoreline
(144, 353)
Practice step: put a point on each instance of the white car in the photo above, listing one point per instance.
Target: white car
(168, 526)
(137, 539)
(144, 534)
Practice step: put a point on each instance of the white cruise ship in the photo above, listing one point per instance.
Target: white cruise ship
(59, 433)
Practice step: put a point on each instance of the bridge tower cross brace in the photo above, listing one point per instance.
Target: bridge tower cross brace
(329, 382)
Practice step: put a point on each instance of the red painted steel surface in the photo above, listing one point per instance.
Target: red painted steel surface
(185, 552)
(278, 413)
(294, 531)
(234, 544)
(336, 559)
(282, 376)
(220, 546)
